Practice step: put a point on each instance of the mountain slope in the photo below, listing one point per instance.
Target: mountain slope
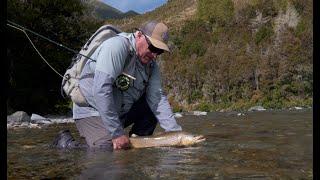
(104, 11)
(174, 13)
(233, 54)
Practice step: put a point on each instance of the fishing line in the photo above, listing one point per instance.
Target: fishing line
(36, 49)
(23, 29)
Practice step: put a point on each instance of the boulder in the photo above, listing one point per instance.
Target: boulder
(18, 117)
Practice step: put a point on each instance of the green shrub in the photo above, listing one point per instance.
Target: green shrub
(194, 96)
(194, 47)
(216, 34)
(296, 101)
(263, 33)
(177, 108)
(217, 11)
(299, 5)
(280, 5)
(274, 99)
(301, 27)
(204, 106)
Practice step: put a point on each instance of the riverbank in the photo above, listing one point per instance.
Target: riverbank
(243, 105)
(21, 119)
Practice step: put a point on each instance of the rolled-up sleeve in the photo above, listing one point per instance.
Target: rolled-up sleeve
(111, 58)
(158, 102)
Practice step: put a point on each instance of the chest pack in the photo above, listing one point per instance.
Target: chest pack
(70, 82)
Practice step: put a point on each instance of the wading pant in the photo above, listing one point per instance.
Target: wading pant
(97, 136)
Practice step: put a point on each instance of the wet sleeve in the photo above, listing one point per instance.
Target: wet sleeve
(158, 102)
(110, 62)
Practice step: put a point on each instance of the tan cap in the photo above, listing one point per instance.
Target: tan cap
(157, 33)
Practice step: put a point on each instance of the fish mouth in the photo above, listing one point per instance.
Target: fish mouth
(199, 139)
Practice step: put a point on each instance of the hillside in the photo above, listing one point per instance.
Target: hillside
(233, 54)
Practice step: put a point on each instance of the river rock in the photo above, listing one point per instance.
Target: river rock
(199, 113)
(18, 117)
(177, 115)
(257, 108)
(59, 120)
(24, 124)
(35, 118)
(31, 125)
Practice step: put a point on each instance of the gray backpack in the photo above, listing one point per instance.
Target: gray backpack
(70, 81)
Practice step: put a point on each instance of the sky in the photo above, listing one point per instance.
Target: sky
(140, 6)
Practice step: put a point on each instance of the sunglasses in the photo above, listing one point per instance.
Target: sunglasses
(152, 48)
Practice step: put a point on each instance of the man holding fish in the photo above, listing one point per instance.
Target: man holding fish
(123, 87)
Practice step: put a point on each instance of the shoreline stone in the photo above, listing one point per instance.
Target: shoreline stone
(257, 108)
(19, 116)
(21, 119)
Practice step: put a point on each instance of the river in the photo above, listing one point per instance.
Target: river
(256, 145)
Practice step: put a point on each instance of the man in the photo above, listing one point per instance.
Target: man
(123, 87)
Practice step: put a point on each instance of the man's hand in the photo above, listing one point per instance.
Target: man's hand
(121, 142)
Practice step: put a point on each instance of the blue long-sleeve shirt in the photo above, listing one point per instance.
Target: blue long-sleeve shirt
(113, 57)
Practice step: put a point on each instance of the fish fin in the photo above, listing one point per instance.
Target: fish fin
(200, 140)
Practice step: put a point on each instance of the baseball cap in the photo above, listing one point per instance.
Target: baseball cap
(157, 33)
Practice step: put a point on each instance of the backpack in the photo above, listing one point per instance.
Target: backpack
(70, 82)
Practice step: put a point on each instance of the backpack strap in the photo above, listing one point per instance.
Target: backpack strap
(129, 62)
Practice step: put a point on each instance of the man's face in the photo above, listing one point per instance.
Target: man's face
(146, 52)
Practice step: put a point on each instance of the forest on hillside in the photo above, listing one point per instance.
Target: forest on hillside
(226, 54)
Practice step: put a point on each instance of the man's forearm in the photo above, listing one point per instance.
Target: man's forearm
(164, 114)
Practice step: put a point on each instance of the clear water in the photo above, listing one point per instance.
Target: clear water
(259, 145)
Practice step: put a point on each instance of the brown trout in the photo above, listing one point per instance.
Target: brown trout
(178, 139)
